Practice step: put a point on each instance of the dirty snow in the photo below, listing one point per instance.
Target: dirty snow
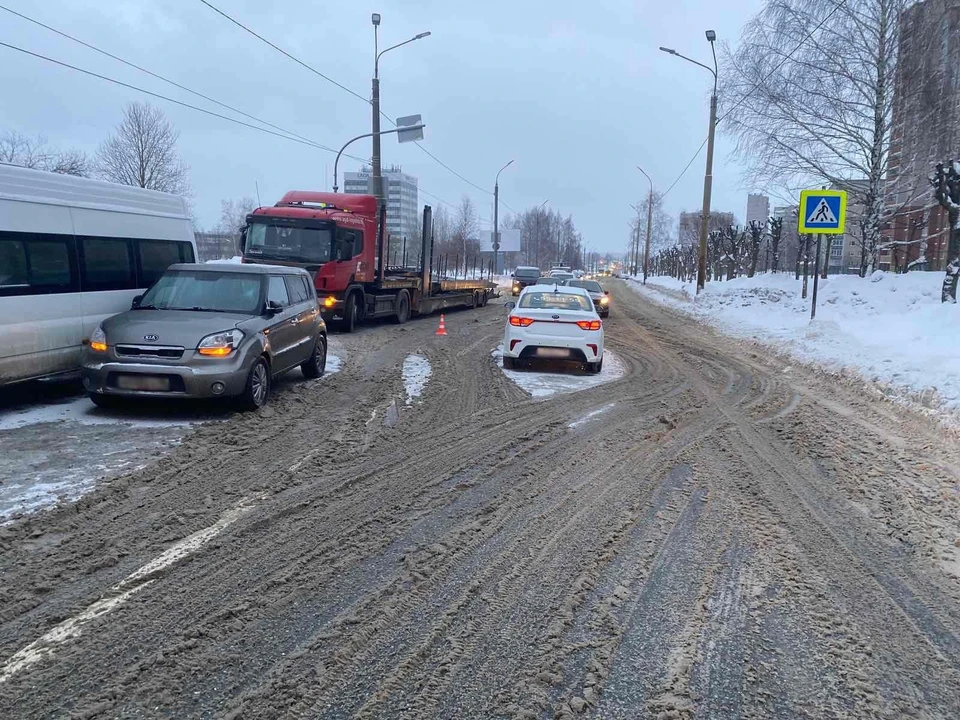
(591, 415)
(416, 373)
(539, 383)
(58, 449)
(892, 329)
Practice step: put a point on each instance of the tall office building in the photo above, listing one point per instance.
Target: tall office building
(925, 130)
(402, 200)
(758, 209)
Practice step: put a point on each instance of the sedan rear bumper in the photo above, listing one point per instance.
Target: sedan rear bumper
(588, 346)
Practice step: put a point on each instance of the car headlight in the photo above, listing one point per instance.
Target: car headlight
(220, 344)
(98, 340)
(604, 301)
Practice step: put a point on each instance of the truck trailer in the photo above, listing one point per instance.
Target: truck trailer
(341, 239)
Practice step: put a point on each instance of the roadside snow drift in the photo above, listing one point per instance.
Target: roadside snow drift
(562, 380)
(892, 329)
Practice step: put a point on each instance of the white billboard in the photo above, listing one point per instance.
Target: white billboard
(509, 240)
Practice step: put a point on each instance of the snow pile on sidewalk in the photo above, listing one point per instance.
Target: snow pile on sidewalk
(416, 373)
(892, 329)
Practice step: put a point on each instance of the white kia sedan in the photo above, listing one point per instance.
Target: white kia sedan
(554, 322)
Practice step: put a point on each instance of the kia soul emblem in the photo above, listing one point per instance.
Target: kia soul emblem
(151, 338)
(555, 317)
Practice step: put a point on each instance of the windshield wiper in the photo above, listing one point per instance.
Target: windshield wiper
(146, 307)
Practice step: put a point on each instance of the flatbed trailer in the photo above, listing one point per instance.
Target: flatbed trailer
(353, 284)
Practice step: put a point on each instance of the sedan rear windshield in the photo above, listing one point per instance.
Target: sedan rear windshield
(289, 242)
(211, 291)
(555, 301)
(527, 273)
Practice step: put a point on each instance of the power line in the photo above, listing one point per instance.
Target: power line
(756, 86)
(155, 75)
(281, 50)
(342, 87)
(159, 96)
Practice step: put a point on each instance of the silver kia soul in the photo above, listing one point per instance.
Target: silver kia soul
(208, 331)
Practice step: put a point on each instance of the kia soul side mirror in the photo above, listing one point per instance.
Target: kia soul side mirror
(136, 302)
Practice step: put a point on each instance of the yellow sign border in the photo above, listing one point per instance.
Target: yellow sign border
(802, 211)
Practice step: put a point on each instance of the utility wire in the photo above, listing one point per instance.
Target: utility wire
(744, 97)
(342, 87)
(155, 75)
(166, 98)
(282, 51)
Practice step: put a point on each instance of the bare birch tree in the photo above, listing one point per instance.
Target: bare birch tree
(776, 235)
(946, 189)
(143, 152)
(813, 82)
(18, 149)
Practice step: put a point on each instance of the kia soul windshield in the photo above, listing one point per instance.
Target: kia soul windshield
(283, 242)
(226, 292)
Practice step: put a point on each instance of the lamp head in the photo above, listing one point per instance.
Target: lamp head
(711, 35)
(375, 18)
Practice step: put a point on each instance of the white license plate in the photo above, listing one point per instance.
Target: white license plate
(552, 353)
(143, 382)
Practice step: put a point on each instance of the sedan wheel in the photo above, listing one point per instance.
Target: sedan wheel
(257, 391)
(316, 364)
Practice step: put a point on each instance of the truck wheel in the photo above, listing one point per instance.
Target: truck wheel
(403, 308)
(349, 321)
(316, 364)
(257, 390)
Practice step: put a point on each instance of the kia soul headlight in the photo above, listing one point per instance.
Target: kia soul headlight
(220, 344)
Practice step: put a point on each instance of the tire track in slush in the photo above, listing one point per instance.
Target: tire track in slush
(681, 554)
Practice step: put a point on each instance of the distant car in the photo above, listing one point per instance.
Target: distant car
(213, 330)
(523, 276)
(599, 296)
(553, 322)
(560, 276)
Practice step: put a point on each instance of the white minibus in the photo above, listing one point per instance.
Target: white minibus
(74, 251)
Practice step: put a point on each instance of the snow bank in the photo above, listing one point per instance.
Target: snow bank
(416, 373)
(544, 384)
(892, 329)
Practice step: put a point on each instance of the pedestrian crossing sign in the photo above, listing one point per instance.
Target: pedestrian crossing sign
(823, 211)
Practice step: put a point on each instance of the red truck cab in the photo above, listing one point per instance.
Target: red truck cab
(331, 235)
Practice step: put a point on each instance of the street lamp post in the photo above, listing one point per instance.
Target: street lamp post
(646, 247)
(375, 103)
(537, 241)
(496, 218)
(708, 175)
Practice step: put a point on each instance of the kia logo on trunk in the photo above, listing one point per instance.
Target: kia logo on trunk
(151, 338)
(555, 317)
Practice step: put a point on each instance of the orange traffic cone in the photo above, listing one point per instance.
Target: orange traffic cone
(442, 330)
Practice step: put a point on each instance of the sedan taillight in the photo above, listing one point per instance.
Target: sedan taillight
(518, 321)
(589, 324)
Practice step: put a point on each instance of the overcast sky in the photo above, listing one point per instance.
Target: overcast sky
(576, 93)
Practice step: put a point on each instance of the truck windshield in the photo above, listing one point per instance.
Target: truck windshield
(287, 242)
